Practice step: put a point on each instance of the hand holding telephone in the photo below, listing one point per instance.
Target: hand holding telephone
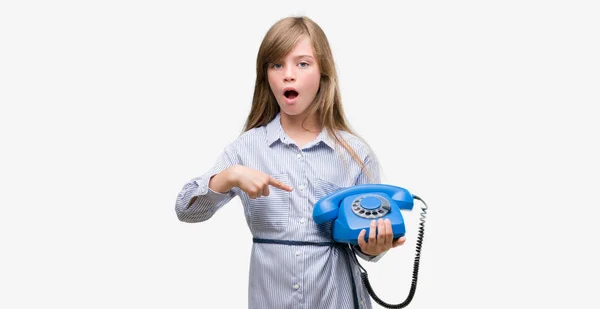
(352, 209)
(355, 207)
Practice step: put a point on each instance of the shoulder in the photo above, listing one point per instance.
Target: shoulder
(358, 144)
(253, 134)
(248, 139)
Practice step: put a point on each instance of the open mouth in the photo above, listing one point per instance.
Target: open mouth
(291, 94)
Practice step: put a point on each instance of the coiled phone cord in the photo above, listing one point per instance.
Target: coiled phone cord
(413, 287)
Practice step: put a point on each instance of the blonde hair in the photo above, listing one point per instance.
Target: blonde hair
(279, 40)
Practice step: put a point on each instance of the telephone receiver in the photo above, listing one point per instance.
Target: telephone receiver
(352, 210)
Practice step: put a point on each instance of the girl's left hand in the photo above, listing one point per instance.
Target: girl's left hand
(381, 238)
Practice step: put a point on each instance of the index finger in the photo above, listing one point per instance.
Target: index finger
(278, 184)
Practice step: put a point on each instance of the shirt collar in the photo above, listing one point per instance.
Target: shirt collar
(275, 132)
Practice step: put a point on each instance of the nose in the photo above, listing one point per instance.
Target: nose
(290, 75)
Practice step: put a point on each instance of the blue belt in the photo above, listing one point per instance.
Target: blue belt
(321, 244)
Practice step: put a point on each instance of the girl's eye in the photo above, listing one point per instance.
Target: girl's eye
(303, 64)
(276, 66)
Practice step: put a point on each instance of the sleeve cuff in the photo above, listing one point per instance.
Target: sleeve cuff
(204, 190)
(366, 257)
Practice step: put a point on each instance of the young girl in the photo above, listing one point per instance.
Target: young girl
(296, 148)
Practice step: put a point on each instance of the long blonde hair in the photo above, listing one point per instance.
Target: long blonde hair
(278, 42)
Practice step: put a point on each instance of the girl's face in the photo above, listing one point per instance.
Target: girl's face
(294, 80)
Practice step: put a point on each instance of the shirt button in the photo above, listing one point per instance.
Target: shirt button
(302, 187)
(296, 286)
(298, 253)
(299, 156)
(302, 220)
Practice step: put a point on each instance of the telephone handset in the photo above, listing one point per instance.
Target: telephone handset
(352, 209)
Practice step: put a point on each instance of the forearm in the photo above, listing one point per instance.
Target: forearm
(222, 182)
(197, 203)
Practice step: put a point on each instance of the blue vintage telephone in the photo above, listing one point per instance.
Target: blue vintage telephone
(352, 209)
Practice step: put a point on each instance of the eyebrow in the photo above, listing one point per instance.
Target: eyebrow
(303, 56)
(299, 57)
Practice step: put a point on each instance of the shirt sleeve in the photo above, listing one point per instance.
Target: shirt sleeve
(371, 174)
(196, 202)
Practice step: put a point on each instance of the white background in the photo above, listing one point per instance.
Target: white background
(484, 109)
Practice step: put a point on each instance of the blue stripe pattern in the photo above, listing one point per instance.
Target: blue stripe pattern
(289, 276)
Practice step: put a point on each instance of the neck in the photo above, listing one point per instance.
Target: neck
(300, 123)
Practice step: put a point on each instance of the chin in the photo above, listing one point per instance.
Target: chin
(290, 112)
(293, 111)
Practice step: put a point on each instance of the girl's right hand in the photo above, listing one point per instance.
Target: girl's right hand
(254, 183)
